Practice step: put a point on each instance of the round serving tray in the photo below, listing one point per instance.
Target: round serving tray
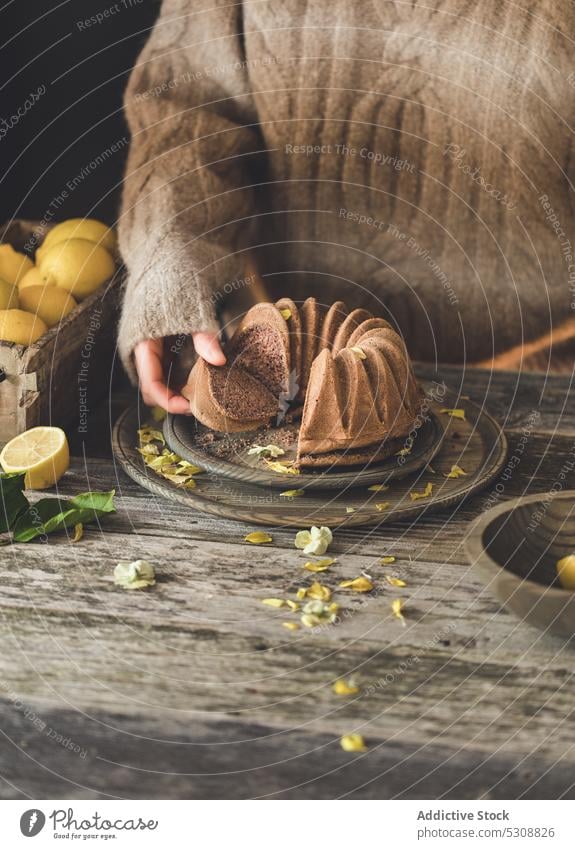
(476, 445)
(187, 437)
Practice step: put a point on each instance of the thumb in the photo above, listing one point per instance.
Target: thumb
(208, 346)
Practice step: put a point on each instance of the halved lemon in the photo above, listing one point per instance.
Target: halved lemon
(41, 452)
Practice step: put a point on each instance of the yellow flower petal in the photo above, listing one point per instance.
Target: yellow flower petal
(136, 575)
(188, 484)
(353, 743)
(284, 468)
(291, 626)
(358, 585)
(285, 314)
(378, 487)
(266, 451)
(350, 509)
(382, 505)
(273, 602)
(149, 450)
(389, 558)
(395, 582)
(293, 605)
(456, 472)
(150, 434)
(179, 480)
(293, 493)
(185, 468)
(319, 565)
(319, 592)
(407, 448)
(454, 414)
(341, 687)
(359, 352)
(158, 414)
(319, 613)
(78, 532)
(415, 496)
(397, 606)
(301, 593)
(258, 538)
(160, 464)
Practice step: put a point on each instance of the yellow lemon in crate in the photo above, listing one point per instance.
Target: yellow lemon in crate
(51, 303)
(20, 327)
(33, 277)
(41, 452)
(79, 228)
(8, 296)
(13, 265)
(77, 265)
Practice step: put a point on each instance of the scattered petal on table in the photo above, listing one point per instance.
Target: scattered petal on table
(319, 565)
(134, 575)
(353, 743)
(397, 606)
(341, 687)
(258, 538)
(395, 582)
(358, 585)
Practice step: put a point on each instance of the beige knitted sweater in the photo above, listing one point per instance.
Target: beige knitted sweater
(415, 158)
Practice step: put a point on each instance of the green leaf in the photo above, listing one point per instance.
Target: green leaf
(54, 514)
(13, 502)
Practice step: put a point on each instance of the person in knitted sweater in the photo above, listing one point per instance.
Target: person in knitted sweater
(412, 159)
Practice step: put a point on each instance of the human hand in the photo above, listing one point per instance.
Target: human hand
(148, 357)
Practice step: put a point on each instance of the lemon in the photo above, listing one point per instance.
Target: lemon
(79, 228)
(33, 277)
(13, 265)
(8, 296)
(41, 452)
(77, 265)
(20, 327)
(51, 303)
(566, 572)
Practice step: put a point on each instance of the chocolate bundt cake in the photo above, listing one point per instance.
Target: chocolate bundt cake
(350, 370)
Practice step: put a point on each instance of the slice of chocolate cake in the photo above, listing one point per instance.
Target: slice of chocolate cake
(262, 346)
(228, 398)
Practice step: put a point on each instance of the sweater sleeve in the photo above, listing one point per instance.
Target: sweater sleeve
(187, 198)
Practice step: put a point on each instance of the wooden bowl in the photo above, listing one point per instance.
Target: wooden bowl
(514, 547)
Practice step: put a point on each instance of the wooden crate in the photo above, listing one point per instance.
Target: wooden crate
(58, 379)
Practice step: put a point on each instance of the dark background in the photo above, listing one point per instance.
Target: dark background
(85, 70)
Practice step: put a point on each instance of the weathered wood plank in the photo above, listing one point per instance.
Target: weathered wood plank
(218, 587)
(426, 698)
(512, 397)
(219, 758)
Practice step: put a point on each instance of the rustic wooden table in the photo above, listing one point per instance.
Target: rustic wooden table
(194, 689)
